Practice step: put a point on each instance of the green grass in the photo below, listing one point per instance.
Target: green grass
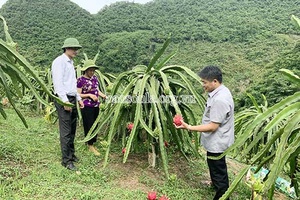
(30, 169)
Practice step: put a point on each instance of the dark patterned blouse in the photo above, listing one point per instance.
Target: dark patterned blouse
(89, 86)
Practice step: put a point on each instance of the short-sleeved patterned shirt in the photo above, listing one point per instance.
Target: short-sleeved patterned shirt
(89, 86)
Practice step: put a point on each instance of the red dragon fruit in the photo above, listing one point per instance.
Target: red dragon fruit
(177, 119)
(130, 126)
(166, 144)
(151, 195)
(124, 150)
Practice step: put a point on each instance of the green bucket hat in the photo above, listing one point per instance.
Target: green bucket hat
(88, 64)
(71, 43)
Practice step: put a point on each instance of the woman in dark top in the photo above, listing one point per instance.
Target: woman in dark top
(88, 89)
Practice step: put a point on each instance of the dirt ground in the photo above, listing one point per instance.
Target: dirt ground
(137, 166)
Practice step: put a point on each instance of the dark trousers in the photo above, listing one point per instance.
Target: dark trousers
(67, 130)
(218, 174)
(89, 116)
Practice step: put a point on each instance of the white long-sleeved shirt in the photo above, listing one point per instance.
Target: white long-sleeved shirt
(64, 78)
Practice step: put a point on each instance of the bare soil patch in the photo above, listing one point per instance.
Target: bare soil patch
(137, 170)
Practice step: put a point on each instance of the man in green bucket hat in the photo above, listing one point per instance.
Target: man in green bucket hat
(88, 88)
(64, 82)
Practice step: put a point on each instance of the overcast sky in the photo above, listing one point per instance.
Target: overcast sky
(93, 6)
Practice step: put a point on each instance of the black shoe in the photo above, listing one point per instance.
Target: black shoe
(71, 166)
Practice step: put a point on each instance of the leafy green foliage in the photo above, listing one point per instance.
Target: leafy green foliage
(40, 27)
(237, 35)
(121, 51)
(270, 138)
(271, 86)
(122, 16)
(30, 168)
(149, 96)
(199, 20)
(16, 72)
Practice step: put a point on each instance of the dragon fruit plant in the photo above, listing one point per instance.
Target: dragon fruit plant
(15, 70)
(276, 132)
(154, 116)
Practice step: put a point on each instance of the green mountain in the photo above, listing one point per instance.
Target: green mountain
(40, 27)
(212, 21)
(246, 38)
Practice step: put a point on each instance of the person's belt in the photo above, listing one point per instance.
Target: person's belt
(71, 98)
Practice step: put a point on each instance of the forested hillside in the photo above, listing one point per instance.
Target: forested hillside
(40, 27)
(212, 21)
(244, 37)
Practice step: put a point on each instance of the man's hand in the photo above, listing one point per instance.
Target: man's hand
(67, 108)
(210, 127)
(182, 126)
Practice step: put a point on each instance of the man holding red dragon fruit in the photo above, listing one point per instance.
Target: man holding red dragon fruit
(88, 89)
(217, 128)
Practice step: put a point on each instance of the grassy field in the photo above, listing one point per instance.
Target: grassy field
(30, 169)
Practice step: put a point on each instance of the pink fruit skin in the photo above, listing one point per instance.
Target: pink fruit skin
(130, 126)
(151, 195)
(164, 198)
(177, 120)
(123, 150)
